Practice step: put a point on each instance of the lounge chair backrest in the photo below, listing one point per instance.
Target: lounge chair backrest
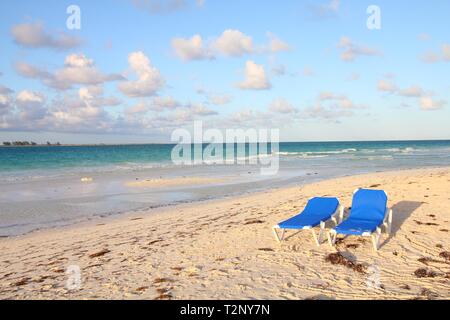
(321, 204)
(369, 204)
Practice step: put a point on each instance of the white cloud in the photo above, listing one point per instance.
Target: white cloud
(255, 77)
(218, 99)
(77, 111)
(327, 95)
(5, 104)
(160, 6)
(282, 70)
(390, 87)
(149, 78)
(281, 106)
(73, 114)
(86, 93)
(332, 6)
(413, 91)
(242, 116)
(350, 50)
(430, 57)
(139, 108)
(323, 112)
(5, 90)
(159, 104)
(279, 70)
(5, 101)
(191, 49)
(201, 110)
(346, 103)
(424, 98)
(387, 86)
(29, 71)
(427, 103)
(433, 57)
(446, 51)
(26, 96)
(34, 35)
(233, 43)
(164, 103)
(276, 44)
(93, 96)
(326, 10)
(31, 105)
(337, 100)
(187, 113)
(78, 61)
(77, 70)
(214, 98)
(331, 106)
(83, 111)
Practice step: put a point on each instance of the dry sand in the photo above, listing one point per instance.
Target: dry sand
(225, 249)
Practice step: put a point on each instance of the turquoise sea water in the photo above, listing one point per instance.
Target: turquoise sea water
(43, 186)
(19, 159)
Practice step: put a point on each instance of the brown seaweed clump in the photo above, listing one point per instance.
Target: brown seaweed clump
(338, 258)
(445, 255)
(425, 273)
(99, 254)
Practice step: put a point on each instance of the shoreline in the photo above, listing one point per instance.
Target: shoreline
(96, 219)
(189, 251)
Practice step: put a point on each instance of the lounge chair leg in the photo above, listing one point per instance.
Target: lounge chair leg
(274, 229)
(389, 222)
(376, 239)
(322, 229)
(331, 237)
(318, 239)
(341, 214)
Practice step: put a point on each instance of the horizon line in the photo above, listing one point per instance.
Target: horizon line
(173, 143)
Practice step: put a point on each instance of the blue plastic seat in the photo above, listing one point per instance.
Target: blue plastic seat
(317, 211)
(368, 214)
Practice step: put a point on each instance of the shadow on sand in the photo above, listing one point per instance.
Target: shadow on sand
(402, 210)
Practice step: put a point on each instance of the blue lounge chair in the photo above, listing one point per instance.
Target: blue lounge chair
(317, 211)
(369, 213)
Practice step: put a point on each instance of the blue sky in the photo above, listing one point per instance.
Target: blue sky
(138, 69)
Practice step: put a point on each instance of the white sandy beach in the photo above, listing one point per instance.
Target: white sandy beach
(225, 249)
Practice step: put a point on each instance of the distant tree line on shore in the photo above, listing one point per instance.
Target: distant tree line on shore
(27, 143)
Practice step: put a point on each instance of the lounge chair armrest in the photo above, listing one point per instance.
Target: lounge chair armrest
(338, 215)
(341, 213)
(388, 220)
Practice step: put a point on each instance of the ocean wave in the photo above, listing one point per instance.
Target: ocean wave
(316, 153)
(375, 158)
